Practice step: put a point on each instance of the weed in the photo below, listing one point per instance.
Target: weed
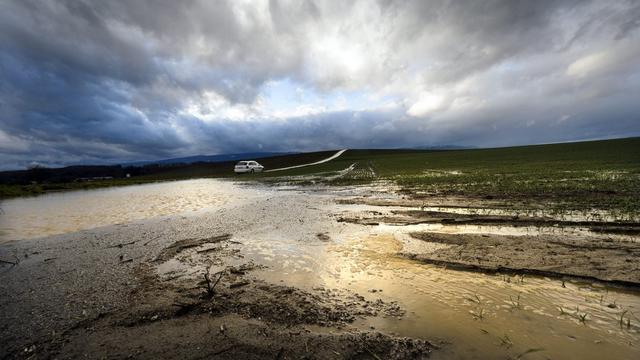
(210, 287)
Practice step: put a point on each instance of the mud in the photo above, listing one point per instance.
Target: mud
(308, 273)
(229, 315)
(411, 217)
(547, 246)
(139, 290)
(236, 337)
(595, 259)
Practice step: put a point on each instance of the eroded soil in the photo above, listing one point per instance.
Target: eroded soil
(229, 314)
(139, 290)
(200, 286)
(595, 250)
(559, 256)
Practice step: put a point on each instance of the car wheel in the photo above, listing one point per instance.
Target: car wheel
(252, 171)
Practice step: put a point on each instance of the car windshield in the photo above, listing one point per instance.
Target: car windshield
(242, 163)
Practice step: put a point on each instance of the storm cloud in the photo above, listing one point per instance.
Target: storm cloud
(112, 81)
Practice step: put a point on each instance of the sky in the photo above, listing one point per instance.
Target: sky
(99, 82)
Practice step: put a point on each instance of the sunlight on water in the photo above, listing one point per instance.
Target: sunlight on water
(66, 212)
(480, 315)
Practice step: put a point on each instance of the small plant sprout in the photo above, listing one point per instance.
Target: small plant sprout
(478, 315)
(579, 316)
(475, 298)
(506, 341)
(562, 312)
(515, 303)
(622, 319)
(583, 317)
(529, 351)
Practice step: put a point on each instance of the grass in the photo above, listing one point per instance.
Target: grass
(573, 176)
(557, 177)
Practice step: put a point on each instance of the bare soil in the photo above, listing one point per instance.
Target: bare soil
(229, 314)
(599, 259)
(112, 293)
(412, 217)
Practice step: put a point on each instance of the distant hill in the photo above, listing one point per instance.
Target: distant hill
(444, 147)
(207, 158)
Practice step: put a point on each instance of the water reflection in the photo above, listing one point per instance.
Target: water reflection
(482, 316)
(61, 213)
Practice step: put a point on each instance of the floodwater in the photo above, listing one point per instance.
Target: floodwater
(470, 315)
(66, 212)
(474, 315)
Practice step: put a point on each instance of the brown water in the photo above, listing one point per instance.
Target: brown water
(65, 212)
(478, 316)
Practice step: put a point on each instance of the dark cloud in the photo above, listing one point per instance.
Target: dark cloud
(109, 81)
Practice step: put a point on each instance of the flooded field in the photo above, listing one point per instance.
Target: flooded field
(476, 315)
(51, 214)
(282, 255)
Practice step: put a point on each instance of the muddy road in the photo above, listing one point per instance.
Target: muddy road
(274, 272)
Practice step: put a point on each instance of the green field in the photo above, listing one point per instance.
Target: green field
(594, 174)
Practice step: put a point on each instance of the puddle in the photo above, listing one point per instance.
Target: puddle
(478, 315)
(475, 315)
(60, 213)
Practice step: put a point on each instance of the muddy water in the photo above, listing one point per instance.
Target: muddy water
(477, 316)
(72, 211)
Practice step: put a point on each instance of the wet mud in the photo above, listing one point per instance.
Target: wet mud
(558, 256)
(544, 245)
(229, 314)
(412, 217)
(325, 274)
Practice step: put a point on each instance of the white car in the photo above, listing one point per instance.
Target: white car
(248, 166)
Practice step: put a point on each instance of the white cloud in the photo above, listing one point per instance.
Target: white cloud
(589, 64)
(427, 103)
(148, 80)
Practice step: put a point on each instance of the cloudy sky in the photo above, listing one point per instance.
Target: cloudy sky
(108, 81)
